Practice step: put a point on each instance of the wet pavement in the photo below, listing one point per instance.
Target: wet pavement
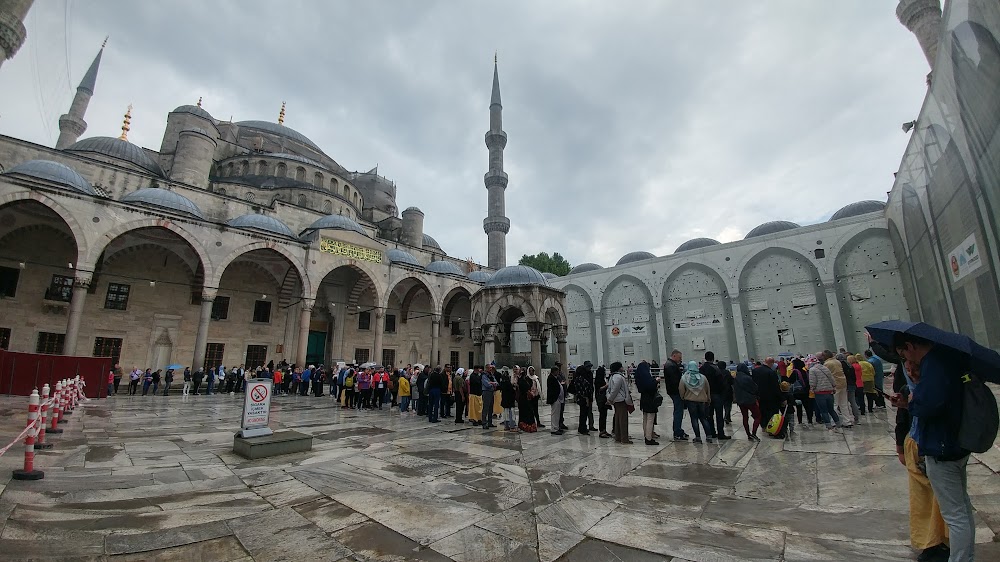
(154, 478)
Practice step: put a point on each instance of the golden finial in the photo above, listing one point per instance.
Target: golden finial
(281, 114)
(126, 124)
(105, 43)
(199, 101)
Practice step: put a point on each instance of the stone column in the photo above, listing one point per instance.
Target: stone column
(81, 283)
(741, 335)
(305, 317)
(477, 340)
(201, 339)
(561, 333)
(435, 340)
(598, 327)
(379, 329)
(661, 332)
(489, 344)
(836, 319)
(535, 332)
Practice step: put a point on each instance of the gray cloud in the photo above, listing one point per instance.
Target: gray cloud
(628, 129)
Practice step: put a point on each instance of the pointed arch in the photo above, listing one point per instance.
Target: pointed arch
(123, 228)
(296, 263)
(82, 244)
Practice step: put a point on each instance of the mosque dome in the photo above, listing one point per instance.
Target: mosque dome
(445, 267)
(770, 228)
(635, 256)
(261, 223)
(858, 208)
(413, 210)
(279, 131)
(118, 149)
(337, 222)
(396, 255)
(517, 275)
(548, 275)
(480, 276)
(164, 199)
(194, 110)
(431, 243)
(584, 268)
(696, 243)
(54, 172)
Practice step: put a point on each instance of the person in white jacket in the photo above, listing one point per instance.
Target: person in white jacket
(620, 398)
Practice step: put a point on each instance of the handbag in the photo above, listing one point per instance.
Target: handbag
(631, 408)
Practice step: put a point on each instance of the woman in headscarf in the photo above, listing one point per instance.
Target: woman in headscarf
(697, 394)
(824, 386)
(527, 401)
(798, 380)
(621, 397)
(746, 398)
(647, 387)
(536, 397)
(601, 397)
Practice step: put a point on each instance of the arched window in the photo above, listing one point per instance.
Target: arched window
(347, 193)
(229, 169)
(355, 199)
(282, 170)
(327, 207)
(333, 185)
(318, 180)
(262, 168)
(302, 200)
(300, 173)
(221, 191)
(245, 168)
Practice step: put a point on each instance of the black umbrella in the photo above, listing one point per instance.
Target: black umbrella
(983, 362)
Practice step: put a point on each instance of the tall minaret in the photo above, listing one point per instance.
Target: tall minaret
(923, 19)
(496, 224)
(12, 32)
(72, 125)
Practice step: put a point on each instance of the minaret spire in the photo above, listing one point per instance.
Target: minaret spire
(496, 225)
(126, 124)
(72, 125)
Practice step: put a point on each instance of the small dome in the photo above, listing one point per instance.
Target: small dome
(548, 275)
(584, 268)
(396, 255)
(858, 208)
(118, 149)
(635, 256)
(54, 172)
(431, 243)
(696, 243)
(480, 276)
(445, 267)
(337, 222)
(412, 210)
(770, 228)
(262, 223)
(164, 199)
(517, 275)
(194, 110)
(280, 131)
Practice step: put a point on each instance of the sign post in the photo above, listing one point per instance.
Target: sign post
(256, 409)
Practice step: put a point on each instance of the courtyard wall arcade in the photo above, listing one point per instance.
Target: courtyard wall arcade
(177, 269)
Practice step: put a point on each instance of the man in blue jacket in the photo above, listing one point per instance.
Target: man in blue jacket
(936, 403)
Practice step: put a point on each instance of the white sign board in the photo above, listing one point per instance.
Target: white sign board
(256, 408)
(964, 259)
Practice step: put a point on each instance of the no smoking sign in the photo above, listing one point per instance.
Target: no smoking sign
(257, 408)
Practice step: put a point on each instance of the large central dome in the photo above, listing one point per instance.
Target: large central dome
(279, 131)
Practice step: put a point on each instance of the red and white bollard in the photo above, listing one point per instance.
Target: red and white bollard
(29, 472)
(40, 443)
(66, 399)
(56, 409)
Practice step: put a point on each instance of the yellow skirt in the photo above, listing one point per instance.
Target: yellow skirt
(475, 407)
(497, 409)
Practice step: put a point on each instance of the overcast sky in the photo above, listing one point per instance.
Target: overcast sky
(631, 125)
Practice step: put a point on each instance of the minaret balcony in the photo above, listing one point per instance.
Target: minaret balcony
(495, 178)
(496, 224)
(496, 138)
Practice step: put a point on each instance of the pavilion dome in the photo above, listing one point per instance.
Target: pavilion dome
(634, 257)
(54, 172)
(164, 199)
(445, 267)
(336, 222)
(262, 223)
(858, 208)
(118, 149)
(430, 242)
(770, 228)
(585, 267)
(548, 275)
(396, 255)
(696, 243)
(194, 110)
(517, 275)
(480, 276)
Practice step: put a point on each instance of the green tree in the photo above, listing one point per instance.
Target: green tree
(546, 263)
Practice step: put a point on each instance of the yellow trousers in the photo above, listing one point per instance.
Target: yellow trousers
(475, 408)
(927, 528)
(497, 408)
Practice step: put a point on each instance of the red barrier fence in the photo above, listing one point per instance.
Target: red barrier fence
(20, 373)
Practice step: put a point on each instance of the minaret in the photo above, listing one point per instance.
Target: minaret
(72, 125)
(923, 19)
(496, 224)
(12, 32)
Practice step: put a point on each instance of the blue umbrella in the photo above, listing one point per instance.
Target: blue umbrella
(175, 366)
(983, 361)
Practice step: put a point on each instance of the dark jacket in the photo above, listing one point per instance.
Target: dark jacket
(672, 376)
(508, 395)
(583, 385)
(647, 387)
(436, 380)
(744, 389)
(714, 377)
(552, 386)
(852, 379)
(767, 382)
(476, 384)
(903, 419)
(599, 381)
(936, 402)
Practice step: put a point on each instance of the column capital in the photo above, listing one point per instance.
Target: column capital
(561, 332)
(435, 318)
(82, 279)
(535, 330)
(477, 336)
(489, 332)
(308, 305)
(208, 294)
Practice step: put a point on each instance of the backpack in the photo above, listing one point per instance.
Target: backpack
(980, 418)
(797, 386)
(349, 381)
